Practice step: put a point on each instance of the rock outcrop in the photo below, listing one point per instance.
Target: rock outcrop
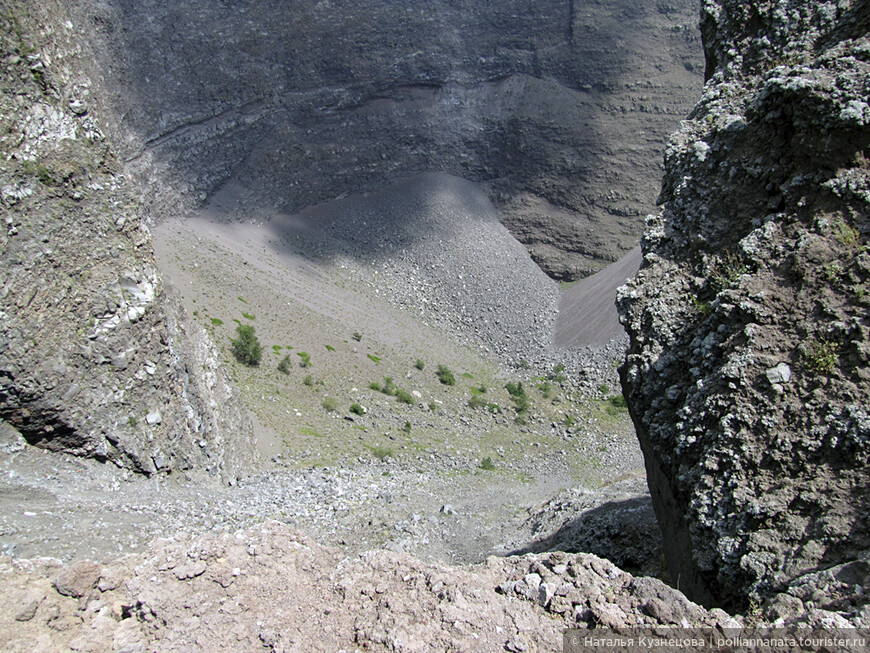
(561, 108)
(748, 376)
(95, 359)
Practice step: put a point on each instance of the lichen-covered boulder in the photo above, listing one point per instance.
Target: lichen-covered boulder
(748, 376)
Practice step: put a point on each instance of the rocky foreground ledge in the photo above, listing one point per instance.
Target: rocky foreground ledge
(270, 588)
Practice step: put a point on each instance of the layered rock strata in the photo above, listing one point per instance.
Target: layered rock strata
(748, 376)
(95, 359)
(561, 108)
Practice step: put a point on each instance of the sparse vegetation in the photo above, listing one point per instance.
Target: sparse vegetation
(518, 396)
(329, 348)
(308, 380)
(407, 428)
(847, 234)
(445, 375)
(305, 359)
(487, 464)
(216, 321)
(822, 355)
(357, 409)
(357, 336)
(726, 271)
(403, 396)
(374, 359)
(330, 404)
(284, 365)
(247, 348)
(380, 452)
(616, 406)
(248, 316)
(420, 364)
(558, 373)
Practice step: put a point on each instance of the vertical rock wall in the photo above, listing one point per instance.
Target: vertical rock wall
(94, 360)
(748, 376)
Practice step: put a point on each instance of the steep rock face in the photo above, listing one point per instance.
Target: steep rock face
(748, 375)
(95, 360)
(560, 107)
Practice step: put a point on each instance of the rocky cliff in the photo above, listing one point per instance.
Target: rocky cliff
(748, 375)
(561, 108)
(95, 358)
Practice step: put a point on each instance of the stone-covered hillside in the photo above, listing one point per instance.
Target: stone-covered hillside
(95, 360)
(560, 107)
(749, 371)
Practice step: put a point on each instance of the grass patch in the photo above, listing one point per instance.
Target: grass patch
(307, 430)
(404, 397)
(248, 316)
(330, 404)
(216, 321)
(357, 409)
(518, 396)
(373, 358)
(305, 359)
(241, 299)
(284, 365)
(357, 336)
(420, 364)
(329, 348)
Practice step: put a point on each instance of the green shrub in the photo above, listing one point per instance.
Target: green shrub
(404, 396)
(357, 336)
(308, 380)
(487, 464)
(518, 396)
(329, 348)
(305, 359)
(247, 348)
(330, 404)
(604, 389)
(374, 385)
(407, 428)
(248, 316)
(476, 401)
(445, 375)
(558, 374)
(546, 389)
(216, 321)
(389, 387)
(374, 359)
(381, 452)
(284, 365)
(356, 409)
(420, 364)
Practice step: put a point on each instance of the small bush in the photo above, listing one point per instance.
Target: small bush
(308, 380)
(216, 321)
(305, 359)
(247, 348)
(445, 375)
(518, 396)
(389, 387)
(404, 396)
(330, 404)
(356, 409)
(558, 374)
(284, 365)
(546, 389)
(604, 389)
(374, 385)
(420, 364)
(487, 464)
(407, 428)
(357, 336)
(381, 452)
(476, 401)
